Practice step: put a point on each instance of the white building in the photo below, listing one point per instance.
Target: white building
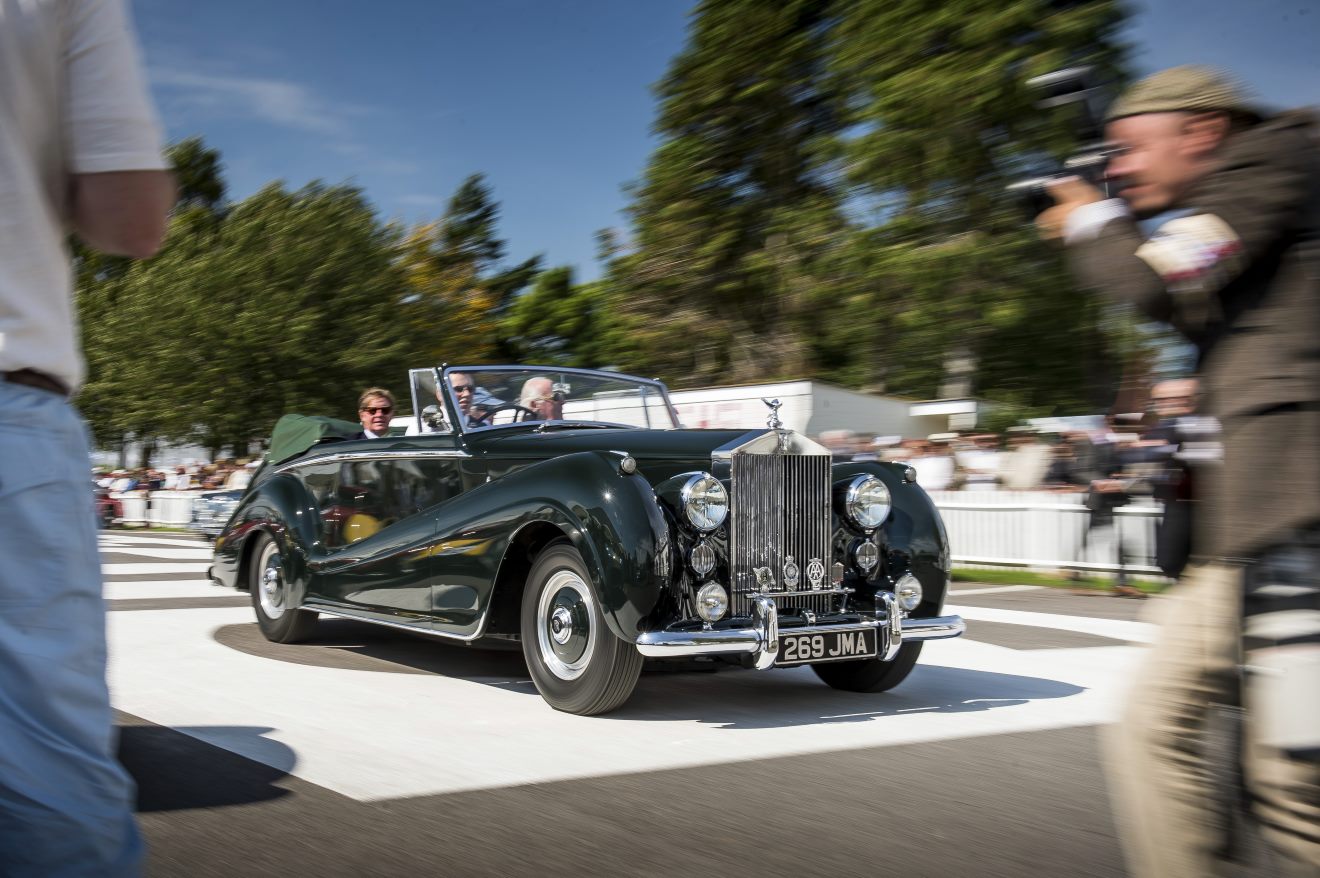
(810, 407)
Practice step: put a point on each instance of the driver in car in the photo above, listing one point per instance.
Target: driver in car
(433, 417)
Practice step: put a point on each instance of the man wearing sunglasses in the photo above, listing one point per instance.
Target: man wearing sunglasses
(375, 407)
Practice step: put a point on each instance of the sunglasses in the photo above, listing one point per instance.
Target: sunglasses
(377, 410)
(462, 388)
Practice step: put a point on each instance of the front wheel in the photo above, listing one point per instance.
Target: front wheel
(278, 620)
(576, 662)
(870, 675)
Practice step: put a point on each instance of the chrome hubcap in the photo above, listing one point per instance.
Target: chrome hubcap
(565, 630)
(271, 593)
(561, 625)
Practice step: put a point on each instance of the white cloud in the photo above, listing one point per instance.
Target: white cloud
(278, 101)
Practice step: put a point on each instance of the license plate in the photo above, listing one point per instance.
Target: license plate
(797, 649)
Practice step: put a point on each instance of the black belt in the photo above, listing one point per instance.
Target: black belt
(39, 380)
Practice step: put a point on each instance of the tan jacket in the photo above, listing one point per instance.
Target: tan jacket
(1239, 274)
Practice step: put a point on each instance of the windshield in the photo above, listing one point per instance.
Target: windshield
(499, 396)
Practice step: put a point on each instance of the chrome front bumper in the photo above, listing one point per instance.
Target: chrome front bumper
(761, 640)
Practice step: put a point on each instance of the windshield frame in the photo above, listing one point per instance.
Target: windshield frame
(651, 384)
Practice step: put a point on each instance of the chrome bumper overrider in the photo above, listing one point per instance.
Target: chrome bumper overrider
(761, 640)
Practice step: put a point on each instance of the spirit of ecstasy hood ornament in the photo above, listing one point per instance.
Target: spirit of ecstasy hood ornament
(773, 422)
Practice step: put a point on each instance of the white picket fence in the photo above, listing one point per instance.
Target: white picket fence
(1042, 530)
(992, 529)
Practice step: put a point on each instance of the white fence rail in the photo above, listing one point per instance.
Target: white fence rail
(1025, 529)
(155, 508)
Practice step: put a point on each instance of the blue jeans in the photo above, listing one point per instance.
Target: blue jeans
(66, 804)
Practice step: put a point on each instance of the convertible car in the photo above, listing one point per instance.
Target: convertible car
(566, 511)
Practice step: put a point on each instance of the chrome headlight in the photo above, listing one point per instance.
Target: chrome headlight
(712, 601)
(705, 502)
(868, 502)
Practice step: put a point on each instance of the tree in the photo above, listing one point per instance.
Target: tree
(452, 272)
(940, 121)
(197, 174)
(288, 303)
(827, 199)
(559, 323)
(733, 205)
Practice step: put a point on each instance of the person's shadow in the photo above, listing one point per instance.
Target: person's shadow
(175, 770)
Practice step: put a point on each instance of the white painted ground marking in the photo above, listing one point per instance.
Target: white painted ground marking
(378, 735)
(187, 554)
(106, 540)
(132, 569)
(186, 588)
(995, 589)
(1119, 629)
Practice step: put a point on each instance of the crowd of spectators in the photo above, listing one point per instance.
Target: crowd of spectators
(1118, 453)
(221, 475)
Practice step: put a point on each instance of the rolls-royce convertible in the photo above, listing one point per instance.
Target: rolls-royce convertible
(568, 512)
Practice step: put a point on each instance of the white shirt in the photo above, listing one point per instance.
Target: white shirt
(72, 101)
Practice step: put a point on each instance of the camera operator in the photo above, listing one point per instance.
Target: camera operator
(1235, 267)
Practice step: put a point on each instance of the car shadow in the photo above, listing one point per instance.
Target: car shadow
(755, 700)
(361, 646)
(176, 770)
(732, 698)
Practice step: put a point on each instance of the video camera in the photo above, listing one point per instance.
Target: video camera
(1070, 89)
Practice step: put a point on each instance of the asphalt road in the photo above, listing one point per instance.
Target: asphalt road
(371, 752)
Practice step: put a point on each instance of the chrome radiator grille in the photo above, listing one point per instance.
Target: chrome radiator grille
(780, 508)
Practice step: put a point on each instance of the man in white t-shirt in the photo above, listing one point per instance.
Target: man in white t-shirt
(79, 151)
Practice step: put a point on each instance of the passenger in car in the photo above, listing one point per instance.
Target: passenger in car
(375, 406)
(538, 397)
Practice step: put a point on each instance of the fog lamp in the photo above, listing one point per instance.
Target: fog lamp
(908, 592)
(702, 559)
(712, 601)
(866, 555)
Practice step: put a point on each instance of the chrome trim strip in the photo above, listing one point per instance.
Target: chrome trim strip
(371, 454)
(791, 594)
(349, 614)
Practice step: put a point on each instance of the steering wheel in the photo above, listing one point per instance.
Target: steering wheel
(485, 419)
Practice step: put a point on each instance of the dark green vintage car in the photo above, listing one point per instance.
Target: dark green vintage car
(567, 510)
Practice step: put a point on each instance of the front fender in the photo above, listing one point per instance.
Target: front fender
(280, 507)
(611, 517)
(912, 538)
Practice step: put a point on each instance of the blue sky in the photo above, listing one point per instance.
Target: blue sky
(551, 99)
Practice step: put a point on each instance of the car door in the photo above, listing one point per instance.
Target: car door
(376, 534)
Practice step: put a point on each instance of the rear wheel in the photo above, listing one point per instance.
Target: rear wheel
(576, 662)
(279, 621)
(870, 675)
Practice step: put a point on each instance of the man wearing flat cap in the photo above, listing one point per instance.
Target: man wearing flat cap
(1235, 267)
